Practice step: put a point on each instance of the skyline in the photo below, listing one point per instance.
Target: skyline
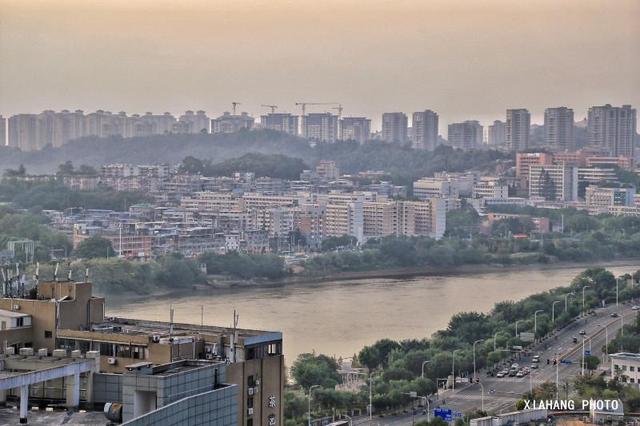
(66, 56)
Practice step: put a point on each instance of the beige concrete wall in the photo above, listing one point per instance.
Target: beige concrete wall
(43, 317)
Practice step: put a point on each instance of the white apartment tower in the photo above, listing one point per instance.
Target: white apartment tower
(425, 130)
(558, 129)
(612, 129)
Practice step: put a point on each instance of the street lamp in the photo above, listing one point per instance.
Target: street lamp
(453, 368)
(482, 395)
(474, 357)
(517, 321)
(553, 311)
(566, 300)
(617, 292)
(583, 289)
(423, 364)
(310, 390)
(535, 322)
(606, 341)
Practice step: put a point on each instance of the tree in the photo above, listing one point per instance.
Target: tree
(310, 369)
(93, 247)
(20, 171)
(591, 362)
(65, 169)
(547, 186)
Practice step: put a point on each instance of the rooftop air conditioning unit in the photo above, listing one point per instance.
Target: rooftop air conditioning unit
(208, 356)
(251, 391)
(155, 338)
(26, 351)
(43, 352)
(16, 307)
(10, 350)
(112, 361)
(250, 411)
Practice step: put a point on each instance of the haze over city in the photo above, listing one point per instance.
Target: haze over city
(319, 212)
(466, 60)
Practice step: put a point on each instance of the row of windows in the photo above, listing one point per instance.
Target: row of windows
(624, 367)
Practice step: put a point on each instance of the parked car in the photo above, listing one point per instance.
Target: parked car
(534, 366)
(614, 315)
(635, 307)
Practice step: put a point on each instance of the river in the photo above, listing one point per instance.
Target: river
(340, 317)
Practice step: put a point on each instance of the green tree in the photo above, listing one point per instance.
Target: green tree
(310, 369)
(547, 186)
(93, 247)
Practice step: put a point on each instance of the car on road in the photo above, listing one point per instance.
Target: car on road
(635, 307)
(534, 366)
(536, 359)
(520, 374)
(513, 373)
(582, 332)
(614, 315)
(574, 339)
(501, 374)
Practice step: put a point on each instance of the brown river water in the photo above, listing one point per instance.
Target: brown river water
(340, 317)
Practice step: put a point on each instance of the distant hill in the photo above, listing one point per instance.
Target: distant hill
(401, 162)
(170, 149)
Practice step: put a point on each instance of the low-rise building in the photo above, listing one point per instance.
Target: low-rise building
(626, 367)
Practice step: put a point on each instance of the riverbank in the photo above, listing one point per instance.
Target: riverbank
(399, 273)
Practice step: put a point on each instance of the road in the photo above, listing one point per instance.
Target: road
(502, 393)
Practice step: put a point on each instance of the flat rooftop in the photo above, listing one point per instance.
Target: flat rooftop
(9, 415)
(146, 327)
(626, 355)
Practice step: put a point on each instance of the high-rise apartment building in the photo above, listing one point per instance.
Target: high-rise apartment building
(612, 129)
(355, 129)
(3, 131)
(497, 136)
(231, 123)
(320, 127)
(23, 132)
(466, 135)
(394, 127)
(425, 130)
(517, 129)
(558, 129)
(191, 122)
(280, 122)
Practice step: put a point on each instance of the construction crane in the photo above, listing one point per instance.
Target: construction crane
(304, 105)
(273, 107)
(235, 104)
(339, 109)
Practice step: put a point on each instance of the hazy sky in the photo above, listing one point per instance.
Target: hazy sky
(465, 59)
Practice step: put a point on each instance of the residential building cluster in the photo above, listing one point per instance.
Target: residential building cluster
(192, 214)
(609, 128)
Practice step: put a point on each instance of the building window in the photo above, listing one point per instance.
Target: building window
(48, 334)
(251, 381)
(106, 349)
(632, 368)
(20, 322)
(249, 422)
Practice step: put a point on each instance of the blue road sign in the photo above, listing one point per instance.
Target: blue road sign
(587, 352)
(444, 413)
